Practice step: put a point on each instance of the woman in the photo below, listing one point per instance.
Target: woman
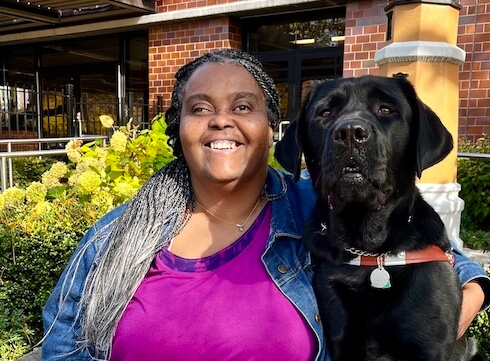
(206, 262)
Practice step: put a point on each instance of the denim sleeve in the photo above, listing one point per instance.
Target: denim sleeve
(60, 314)
(469, 270)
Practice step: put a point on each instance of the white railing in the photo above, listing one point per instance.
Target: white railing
(7, 156)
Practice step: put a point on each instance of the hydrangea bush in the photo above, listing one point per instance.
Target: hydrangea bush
(41, 224)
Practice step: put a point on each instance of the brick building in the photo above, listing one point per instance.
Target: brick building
(111, 51)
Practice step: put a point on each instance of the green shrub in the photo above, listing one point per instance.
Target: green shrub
(15, 336)
(36, 242)
(480, 330)
(27, 170)
(474, 177)
(42, 222)
(272, 160)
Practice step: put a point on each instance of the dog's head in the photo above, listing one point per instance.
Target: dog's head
(364, 140)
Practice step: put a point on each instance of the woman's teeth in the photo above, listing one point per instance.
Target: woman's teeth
(223, 144)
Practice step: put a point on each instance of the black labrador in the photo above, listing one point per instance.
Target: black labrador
(384, 278)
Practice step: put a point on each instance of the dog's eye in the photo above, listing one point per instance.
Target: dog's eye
(325, 113)
(385, 110)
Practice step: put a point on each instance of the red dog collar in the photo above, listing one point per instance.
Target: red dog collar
(430, 254)
(380, 278)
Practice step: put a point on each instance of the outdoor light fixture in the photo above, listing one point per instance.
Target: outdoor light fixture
(338, 38)
(303, 41)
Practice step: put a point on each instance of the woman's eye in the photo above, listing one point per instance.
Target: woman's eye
(243, 108)
(198, 110)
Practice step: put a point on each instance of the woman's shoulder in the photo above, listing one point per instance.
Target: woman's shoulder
(303, 185)
(299, 194)
(97, 234)
(110, 217)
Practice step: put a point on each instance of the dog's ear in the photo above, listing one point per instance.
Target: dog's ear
(288, 151)
(433, 140)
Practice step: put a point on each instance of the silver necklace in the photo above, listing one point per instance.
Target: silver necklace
(240, 226)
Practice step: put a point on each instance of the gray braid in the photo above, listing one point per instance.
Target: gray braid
(154, 216)
(233, 56)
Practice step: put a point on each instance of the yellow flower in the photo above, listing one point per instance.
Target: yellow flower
(103, 200)
(42, 207)
(13, 197)
(124, 191)
(90, 163)
(88, 182)
(106, 121)
(101, 154)
(2, 202)
(118, 141)
(73, 150)
(73, 180)
(36, 192)
(51, 178)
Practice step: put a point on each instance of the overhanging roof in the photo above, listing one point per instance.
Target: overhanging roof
(122, 19)
(21, 15)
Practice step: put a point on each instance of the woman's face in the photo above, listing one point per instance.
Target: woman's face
(224, 129)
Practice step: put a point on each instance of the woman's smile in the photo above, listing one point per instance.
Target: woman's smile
(223, 144)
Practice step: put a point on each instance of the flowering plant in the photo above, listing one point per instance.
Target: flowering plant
(41, 225)
(109, 174)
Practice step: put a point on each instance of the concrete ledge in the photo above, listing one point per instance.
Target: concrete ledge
(446, 202)
(429, 51)
(34, 355)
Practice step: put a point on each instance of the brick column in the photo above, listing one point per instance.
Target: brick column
(365, 29)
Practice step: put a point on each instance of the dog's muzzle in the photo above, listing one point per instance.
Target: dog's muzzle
(356, 162)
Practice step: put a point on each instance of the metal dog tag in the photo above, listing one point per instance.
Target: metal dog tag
(380, 278)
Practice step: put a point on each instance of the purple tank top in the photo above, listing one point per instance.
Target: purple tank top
(221, 307)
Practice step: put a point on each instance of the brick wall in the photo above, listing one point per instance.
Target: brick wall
(365, 33)
(21, 134)
(171, 46)
(474, 83)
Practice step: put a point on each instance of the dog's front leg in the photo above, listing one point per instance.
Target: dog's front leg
(342, 337)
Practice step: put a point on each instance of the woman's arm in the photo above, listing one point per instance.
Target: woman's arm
(476, 288)
(61, 312)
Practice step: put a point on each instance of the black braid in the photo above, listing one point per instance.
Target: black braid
(234, 56)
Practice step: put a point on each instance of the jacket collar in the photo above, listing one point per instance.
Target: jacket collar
(292, 202)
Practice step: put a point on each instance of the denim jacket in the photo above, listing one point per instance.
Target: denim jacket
(285, 258)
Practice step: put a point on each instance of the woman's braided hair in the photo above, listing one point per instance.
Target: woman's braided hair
(158, 212)
(233, 56)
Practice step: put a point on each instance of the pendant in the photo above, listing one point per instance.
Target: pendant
(380, 278)
(240, 227)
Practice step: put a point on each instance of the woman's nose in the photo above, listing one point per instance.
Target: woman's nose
(222, 119)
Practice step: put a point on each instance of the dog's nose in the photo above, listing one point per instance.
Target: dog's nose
(350, 132)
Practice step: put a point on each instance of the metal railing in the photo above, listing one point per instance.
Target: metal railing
(474, 155)
(55, 112)
(6, 157)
